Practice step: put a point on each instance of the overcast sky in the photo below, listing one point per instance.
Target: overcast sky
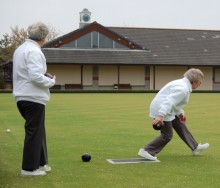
(63, 15)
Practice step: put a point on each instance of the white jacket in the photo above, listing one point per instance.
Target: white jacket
(29, 67)
(170, 100)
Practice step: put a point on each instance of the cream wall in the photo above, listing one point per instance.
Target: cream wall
(66, 74)
(165, 74)
(135, 75)
(108, 75)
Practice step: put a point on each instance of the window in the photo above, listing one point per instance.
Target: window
(84, 41)
(70, 45)
(94, 40)
(118, 45)
(105, 42)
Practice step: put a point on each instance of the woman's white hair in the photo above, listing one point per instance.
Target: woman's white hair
(194, 75)
(38, 31)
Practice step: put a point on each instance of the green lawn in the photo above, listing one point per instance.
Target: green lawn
(111, 126)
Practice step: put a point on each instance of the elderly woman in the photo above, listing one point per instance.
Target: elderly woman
(31, 93)
(166, 110)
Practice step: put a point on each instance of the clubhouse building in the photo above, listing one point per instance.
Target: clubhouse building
(95, 57)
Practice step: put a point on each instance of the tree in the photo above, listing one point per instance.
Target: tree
(6, 48)
(9, 43)
(53, 33)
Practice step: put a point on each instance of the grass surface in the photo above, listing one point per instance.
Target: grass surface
(111, 126)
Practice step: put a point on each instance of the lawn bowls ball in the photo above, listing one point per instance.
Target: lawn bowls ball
(48, 75)
(86, 157)
(157, 126)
